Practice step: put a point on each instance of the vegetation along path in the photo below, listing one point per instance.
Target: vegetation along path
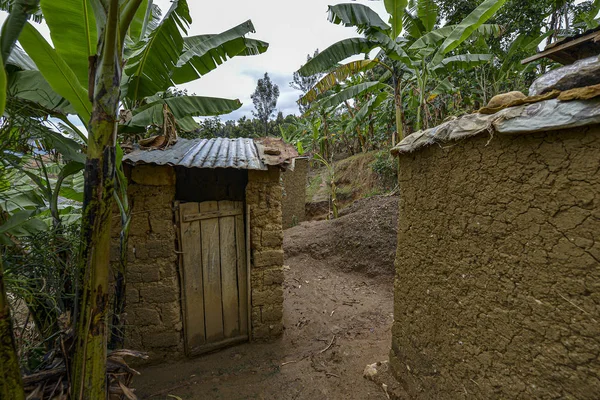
(337, 321)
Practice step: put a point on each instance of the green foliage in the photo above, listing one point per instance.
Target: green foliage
(386, 167)
(432, 59)
(525, 17)
(395, 9)
(73, 32)
(56, 71)
(38, 275)
(181, 107)
(152, 59)
(203, 53)
(335, 53)
(469, 25)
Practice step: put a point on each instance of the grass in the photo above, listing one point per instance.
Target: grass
(316, 186)
(362, 175)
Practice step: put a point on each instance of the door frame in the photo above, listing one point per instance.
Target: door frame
(211, 347)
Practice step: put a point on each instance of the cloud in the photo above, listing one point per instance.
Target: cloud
(287, 96)
(292, 29)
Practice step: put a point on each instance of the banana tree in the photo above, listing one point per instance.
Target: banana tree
(150, 69)
(407, 58)
(108, 32)
(509, 73)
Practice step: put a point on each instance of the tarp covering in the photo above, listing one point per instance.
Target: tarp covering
(546, 115)
(583, 73)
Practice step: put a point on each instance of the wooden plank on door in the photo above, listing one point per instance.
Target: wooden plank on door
(229, 285)
(192, 278)
(209, 215)
(213, 307)
(242, 271)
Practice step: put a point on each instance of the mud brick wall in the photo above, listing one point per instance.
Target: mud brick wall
(497, 290)
(263, 197)
(153, 306)
(294, 193)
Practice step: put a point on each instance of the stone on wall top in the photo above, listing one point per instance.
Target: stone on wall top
(543, 116)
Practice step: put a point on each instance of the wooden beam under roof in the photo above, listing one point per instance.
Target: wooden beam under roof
(571, 50)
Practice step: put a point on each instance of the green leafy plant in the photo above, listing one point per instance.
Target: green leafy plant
(386, 167)
(421, 56)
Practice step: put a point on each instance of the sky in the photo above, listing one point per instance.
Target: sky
(293, 30)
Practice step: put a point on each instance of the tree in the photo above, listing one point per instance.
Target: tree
(406, 61)
(305, 83)
(531, 18)
(98, 33)
(265, 100)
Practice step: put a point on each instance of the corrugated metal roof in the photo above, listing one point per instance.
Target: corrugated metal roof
(240, 153)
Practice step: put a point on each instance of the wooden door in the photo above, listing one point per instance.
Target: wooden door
(214, 274)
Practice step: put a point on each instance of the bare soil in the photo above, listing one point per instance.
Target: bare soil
(337, 317)
(355, 179)
(362, 240)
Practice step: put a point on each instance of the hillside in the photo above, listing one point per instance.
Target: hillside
(356, 177)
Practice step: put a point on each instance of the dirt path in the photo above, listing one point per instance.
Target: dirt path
(325, 300)
(320, 303)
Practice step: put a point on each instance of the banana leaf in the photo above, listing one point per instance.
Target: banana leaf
(56, 71)
(356, 15)
(331, 56)
(153, 59)
(349, 93)
(182, 107)
(335, 77)
(395, 8)
(203, 53)
(73, 32)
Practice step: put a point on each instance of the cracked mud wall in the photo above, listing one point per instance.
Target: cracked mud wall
(294, 193)
(497, 290)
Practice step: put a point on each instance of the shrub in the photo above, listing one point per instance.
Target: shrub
(386, 168)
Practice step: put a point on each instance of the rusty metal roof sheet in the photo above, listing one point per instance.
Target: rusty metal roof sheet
(239, 153)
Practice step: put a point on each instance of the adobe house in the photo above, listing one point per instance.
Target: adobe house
(205, 256)
(497, 288)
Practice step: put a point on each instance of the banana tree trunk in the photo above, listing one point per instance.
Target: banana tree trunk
(117, 337)
(361, 140)
(371, 128)
(11, 384)
(89, 364)
(398, 106)
(422, 81)
(325, 142)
